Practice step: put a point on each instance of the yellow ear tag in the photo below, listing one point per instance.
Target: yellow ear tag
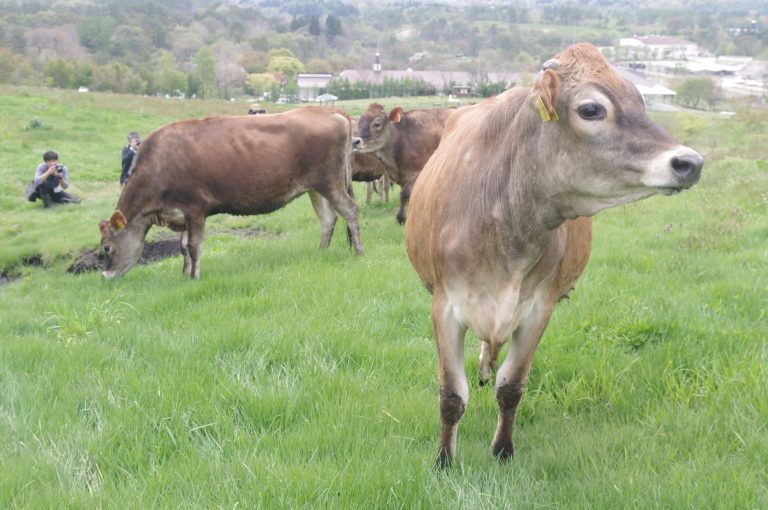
(119, 224)
(543, 113)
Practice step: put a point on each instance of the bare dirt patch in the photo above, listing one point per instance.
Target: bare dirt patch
(167, 246)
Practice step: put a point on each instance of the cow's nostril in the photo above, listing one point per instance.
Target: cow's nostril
(688, 165)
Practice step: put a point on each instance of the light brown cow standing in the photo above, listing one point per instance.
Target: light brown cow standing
(189, 170)
(403, 141)
(499, 227)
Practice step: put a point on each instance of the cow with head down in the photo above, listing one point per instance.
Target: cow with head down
(499, 227)
(403, 141)
(189, 170)
(369, 169)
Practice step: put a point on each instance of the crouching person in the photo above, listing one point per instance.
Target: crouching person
(51, 179)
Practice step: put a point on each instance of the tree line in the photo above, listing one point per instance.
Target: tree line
(219, 49)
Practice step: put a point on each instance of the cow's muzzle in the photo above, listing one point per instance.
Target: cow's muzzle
(687, 168)
(357, 143)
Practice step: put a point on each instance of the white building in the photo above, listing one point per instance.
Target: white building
(312, 85)
(658, 47)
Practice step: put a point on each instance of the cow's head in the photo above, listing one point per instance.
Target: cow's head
(121, 244)
(373, 128)
(601, 138)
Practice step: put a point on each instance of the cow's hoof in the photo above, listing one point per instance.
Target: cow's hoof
(443, 460)
(503, 452)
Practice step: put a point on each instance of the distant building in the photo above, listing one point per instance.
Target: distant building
(312, 85)
(456, 83)
(649, 90)
(657, 47)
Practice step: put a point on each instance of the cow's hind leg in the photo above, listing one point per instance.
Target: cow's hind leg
(184, 242)
(345, 205)
(513, 374)
(325, 215)
(194, 235)
(454, 391)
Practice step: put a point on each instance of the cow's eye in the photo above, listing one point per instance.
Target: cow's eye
(591, 111)
(376, 125)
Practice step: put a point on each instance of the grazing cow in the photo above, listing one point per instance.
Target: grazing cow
(403, 141)
(499, 227)
(256, 164)
(369, 169)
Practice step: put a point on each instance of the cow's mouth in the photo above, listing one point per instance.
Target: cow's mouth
(670, 190)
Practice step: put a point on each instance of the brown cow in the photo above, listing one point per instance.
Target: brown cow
(369, 169)
(499, 228)
(403, 141)
(256, 164)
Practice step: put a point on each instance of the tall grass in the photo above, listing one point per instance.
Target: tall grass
(293, 377)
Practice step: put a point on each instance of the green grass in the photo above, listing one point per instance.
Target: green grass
(288, 377)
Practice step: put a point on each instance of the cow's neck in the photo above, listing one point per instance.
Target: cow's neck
(531, 213)
(135, 206)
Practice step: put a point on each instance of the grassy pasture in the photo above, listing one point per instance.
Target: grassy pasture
(289, 377)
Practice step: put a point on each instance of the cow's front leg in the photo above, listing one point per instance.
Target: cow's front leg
(195, 230)
(454, 391)
(405, 197)
(513, 374)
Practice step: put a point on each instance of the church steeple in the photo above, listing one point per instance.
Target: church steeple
(377, 63)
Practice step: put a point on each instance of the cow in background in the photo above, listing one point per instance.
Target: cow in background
(255, 164)
(369, 169)
(499, 228)
(403, 141)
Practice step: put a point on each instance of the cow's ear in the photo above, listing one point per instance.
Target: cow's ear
(118, 221)
(394, 115)
(548, 91)
(104, 228)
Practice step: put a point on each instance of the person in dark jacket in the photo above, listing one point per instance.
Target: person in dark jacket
(129, 151)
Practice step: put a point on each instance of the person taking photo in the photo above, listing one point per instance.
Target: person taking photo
(51, 179)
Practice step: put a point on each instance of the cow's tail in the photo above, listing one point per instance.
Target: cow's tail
(348, 172)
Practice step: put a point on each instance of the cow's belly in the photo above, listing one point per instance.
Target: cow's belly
(493, 313)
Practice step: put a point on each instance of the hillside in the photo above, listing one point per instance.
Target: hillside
(192, 47)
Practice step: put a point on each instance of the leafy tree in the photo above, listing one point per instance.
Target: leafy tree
(487, 88)
(314, 25)
(695, 91)
(205, 72)
(254, 61)
(18, 41)
(258, 84)
(332, 26)
(131, 44)
(7, 65)
(60, 73)
(95, 32)
(166, 77)
(280, 52)
(287, 66)
(297, 22)
(117, 77)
